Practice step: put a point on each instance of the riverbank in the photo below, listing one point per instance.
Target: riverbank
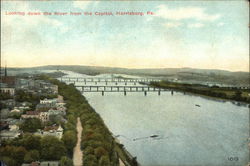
(239, 95)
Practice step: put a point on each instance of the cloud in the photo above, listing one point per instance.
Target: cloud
(172, 24)
(195, 25)
(83, 4)
(220, 24)
(181, 13)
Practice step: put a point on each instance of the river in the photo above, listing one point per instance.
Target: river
(216, 133)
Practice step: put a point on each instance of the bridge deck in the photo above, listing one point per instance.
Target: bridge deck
(119, 89)
(86, 79)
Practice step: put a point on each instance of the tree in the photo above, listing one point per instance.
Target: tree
(31, 125)
(18, 154)
(31, 156)
(52, 148)
(100, 151)
(65, 161)
(104, 161)
(69, 138)
(237, 95)
(9, 161)
(31, 142)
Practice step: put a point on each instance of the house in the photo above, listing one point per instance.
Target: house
(9, 80)
(7, 134)
(61, 108)
(10, 103)
(56, 131)
(48, 101)
(44, 116)
(45, 107)
(57, 112)
(16, 110)
(60, 99)
(31, 114)
(8, 90)
(13, 127)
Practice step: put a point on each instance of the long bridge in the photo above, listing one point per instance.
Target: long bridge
(124, 89)
(103, 79)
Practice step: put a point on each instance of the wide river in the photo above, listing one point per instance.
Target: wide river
(214, 134)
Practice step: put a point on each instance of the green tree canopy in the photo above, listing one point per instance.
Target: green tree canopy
(65, 161)
(31, 125)
(52, 148)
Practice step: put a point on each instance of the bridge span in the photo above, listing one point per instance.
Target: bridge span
(124, 89)
(102, 79)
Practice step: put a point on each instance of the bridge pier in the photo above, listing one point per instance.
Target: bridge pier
(125, 93)
(102, 93)
(145, 93)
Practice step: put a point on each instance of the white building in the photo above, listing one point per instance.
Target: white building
(48, 101)
(56, 131)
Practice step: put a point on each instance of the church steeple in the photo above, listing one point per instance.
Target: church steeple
(5, 71)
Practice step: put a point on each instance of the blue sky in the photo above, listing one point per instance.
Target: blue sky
(198, 34)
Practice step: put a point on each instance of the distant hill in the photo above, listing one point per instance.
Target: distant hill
(188, 74)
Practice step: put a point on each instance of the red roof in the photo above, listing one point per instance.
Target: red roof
(48, 128)
(10, 80)
(35, 164)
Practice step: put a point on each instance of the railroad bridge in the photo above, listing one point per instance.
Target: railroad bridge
(102, 79)
(114, 88)
(124, 89)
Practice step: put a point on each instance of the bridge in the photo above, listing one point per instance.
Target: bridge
(124, 89)
(102, 79)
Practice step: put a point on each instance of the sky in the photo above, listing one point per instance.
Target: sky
(195, 34)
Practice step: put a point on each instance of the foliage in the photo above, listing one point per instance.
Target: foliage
(31, 125)
(5, 96)
(52, 148)
(65, 161)
(31, 156)
(69, 138)
(12, 155)
(214, 91)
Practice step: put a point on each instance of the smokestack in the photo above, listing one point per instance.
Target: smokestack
(5, 72)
